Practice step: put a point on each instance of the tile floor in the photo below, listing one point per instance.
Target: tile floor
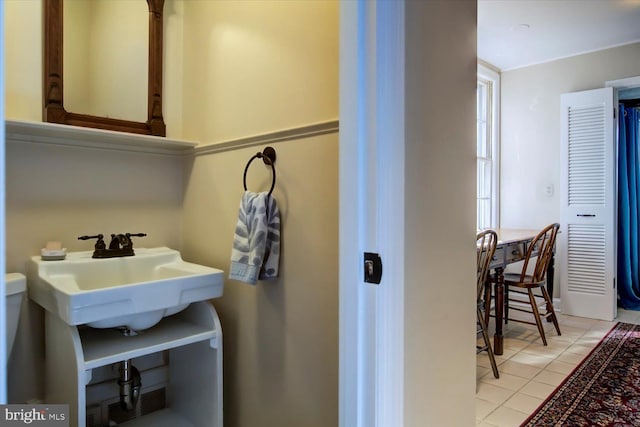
(529, 371)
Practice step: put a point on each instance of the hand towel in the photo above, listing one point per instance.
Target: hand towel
(256, 244)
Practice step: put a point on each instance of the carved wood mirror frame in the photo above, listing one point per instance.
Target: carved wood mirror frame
(54, 111)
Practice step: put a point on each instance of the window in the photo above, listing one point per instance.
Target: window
(487, 148)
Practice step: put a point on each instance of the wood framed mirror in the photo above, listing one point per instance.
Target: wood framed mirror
(54, 110)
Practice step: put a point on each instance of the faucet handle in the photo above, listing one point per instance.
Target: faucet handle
(99, 244)
(136, 234)
(97, 236)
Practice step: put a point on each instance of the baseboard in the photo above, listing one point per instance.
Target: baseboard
(556, 305)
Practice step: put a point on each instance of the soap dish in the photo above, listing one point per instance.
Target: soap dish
(53, 254)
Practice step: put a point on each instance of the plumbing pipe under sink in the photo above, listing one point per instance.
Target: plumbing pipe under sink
(129, 384)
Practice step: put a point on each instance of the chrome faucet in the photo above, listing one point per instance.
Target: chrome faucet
(121, 245)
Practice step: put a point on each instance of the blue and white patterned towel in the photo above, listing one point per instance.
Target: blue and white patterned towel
(256, 244)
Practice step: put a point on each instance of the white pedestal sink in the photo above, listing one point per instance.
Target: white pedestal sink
(134, 292)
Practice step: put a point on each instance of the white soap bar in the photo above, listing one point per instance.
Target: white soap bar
(53, 246)
(53, 252)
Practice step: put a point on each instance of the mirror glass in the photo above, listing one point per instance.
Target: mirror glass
(112, 68)
(106, 61)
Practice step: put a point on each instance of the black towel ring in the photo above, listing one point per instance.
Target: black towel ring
(268, 156)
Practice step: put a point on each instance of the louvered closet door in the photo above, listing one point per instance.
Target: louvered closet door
(587, 239)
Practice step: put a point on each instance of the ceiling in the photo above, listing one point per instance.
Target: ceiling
(518, 33)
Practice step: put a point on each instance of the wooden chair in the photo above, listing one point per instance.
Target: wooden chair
(486, 246)
(519, 288)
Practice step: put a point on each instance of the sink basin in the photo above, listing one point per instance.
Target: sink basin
(134, 292)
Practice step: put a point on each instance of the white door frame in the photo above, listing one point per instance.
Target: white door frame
(371, 212)
(3, 309)
(618, 85)
(621, 84)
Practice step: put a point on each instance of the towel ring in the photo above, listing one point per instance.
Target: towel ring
(268, 156)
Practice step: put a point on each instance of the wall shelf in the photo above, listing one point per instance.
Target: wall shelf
(105, 346)
(17, 131)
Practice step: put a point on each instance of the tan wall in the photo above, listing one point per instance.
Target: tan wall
(257, 67)
(172, 68)
(440, 213)
(23, 59)
(55, 193)
(58, 193)
(281, 336)
(249, 68)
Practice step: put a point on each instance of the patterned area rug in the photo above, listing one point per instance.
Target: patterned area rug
(604, 390)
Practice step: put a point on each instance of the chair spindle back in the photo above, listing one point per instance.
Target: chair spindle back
(486, 242)
(544, 243)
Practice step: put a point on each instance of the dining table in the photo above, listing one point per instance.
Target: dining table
(511, 248)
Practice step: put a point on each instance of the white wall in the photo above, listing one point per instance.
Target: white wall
(530, 128)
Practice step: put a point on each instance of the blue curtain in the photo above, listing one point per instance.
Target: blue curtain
(628, 212)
